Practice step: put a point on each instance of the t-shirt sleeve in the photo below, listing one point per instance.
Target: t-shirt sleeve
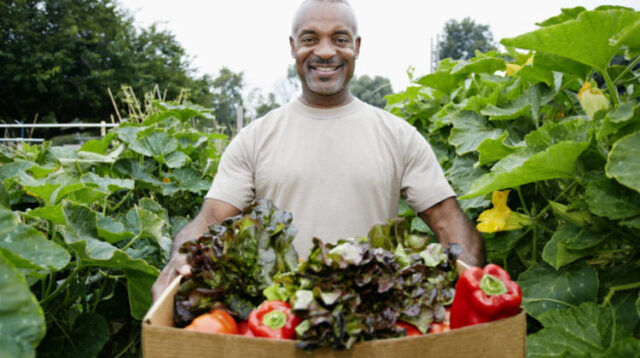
(423, 182)
(234, 181)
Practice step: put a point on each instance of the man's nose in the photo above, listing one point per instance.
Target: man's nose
(325, 49)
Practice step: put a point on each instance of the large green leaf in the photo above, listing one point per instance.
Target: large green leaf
(575, 130)
(139, 288)
(157, 144)
(543, 286)
(518, 108)
(479, 65)
(106, 183)
(132, 169)
(89, 334)
(98, 146)
(111, 230)
(191, 180)
(22, 324)
(27, 247)
(585, 39)
(557, 63)
(629, 38)
(557, 252)
(623, 163)
(144, 223)
(535, 74)
(52, 213)
(584, 331)
(442, 80)
(81, 235)
(491, 150)
(527, 166)
(461, 174)
(469, 130)
(177, 159)
(620, 118)
(567, 14)
(611, 200)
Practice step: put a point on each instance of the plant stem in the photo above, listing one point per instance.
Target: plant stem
(60, 288)
(524, 204)
(98, 295)
(134, 340)
(546, 208)
(614, 289)
(534, 246)
(626, 70)
(122, 201)
(128, 245)
(613, 90)
(527, 300)
(64, 332)
(613, 326)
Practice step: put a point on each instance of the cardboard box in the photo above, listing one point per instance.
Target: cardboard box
(504, 338)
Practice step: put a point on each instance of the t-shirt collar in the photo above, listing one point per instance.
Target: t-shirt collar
(326, 113)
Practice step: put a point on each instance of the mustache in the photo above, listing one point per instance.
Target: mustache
(322, 61)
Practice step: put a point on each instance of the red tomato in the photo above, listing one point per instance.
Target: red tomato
(216, 321)
(411, 330)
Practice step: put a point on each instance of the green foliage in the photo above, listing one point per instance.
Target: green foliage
(463, 38)
(60, 57)
(371, 90)
(84, 233)
(574, 176)
(227, 96)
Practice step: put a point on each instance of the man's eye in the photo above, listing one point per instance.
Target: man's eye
(306, 40)
(342, 41)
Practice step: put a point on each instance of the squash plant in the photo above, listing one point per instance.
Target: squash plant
(84, 231)
(542, 144)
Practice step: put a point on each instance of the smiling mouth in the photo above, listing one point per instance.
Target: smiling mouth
(324, 69)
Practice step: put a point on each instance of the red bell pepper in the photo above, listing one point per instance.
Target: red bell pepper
(273, 319)
(484, 295)
(243, 329)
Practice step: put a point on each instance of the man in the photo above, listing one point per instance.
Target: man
(339, 165)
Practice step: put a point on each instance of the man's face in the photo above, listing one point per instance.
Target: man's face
(325, 46)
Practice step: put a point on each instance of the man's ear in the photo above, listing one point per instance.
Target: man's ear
(293, 46)
(358, 40)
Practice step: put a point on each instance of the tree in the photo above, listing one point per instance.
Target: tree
(227, 88)
(59, 57)
(371, 90)
(287, 87)
(461, 39)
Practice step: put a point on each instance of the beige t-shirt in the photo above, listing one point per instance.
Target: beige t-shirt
(339, 171)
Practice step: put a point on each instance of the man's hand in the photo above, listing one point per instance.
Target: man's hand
(177, 266)
(449, 223)
(212, 211)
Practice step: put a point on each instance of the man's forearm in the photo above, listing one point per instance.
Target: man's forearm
(450, 224)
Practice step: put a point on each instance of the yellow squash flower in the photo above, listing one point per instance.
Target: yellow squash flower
(512, 68)
(500, 217)
(592, 99)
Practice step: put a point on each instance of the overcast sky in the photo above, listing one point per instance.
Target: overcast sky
(252, 35)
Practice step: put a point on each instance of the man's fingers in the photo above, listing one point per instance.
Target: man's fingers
(185, 270)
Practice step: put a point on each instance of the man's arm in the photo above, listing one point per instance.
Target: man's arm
(449, 223)
(212, 211)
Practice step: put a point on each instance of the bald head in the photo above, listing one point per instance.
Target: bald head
(308, 4)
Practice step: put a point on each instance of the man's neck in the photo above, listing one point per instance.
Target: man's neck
(323, 101)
